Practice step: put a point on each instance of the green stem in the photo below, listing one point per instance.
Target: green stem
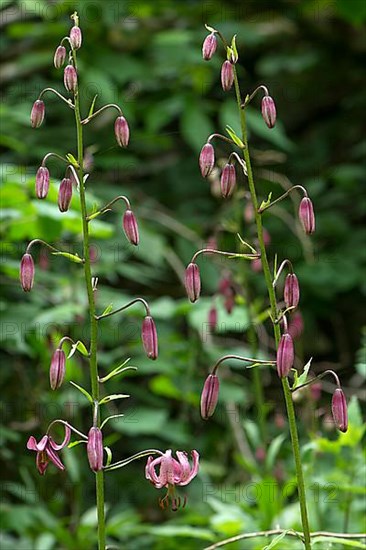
(93, 322)
(276, 328)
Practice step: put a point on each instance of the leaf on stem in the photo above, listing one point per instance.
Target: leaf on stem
(72, 160)
(72, 257)
(112, 397)
(74, 443)
(116, 372)
(236, 139)
(91, 110)
(107, 310)
(300, 380)
(109, 456)
(266, 203)
(79, 346)
(83, 391)
(110, 418)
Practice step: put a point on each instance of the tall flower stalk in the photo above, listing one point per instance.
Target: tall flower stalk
(163, 471)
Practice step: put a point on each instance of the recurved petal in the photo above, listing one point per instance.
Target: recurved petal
(194, 468)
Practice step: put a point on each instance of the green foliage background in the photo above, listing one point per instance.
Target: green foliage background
(146, 56)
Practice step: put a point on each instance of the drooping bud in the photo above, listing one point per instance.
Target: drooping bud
(285, 355)
(193, 282)
(122, 131)
(59, 57)
(27, 272)
(149, 337)
(291, 290)
(130, 227)
(37, 113)
(306, 215)
(339, 410)
(65, 194)
(209, 46)
(95, 449)
(70, 78)
(42, 182)
(269, 111)
(75, 37)
(212, 318)
(209, 396)
(228, 180)
(227, 75)
(57, 368)
(207, 159)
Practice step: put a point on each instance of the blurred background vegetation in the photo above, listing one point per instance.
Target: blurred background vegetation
(146, 56)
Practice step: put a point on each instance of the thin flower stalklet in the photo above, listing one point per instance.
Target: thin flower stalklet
(149, 337)
(209, 396)
(95, 449)
(209, 46)
(27, 272)
(306, 215)
(192, 282)
(171, 472)
(37, 113)
(339, 410)
(47, 450)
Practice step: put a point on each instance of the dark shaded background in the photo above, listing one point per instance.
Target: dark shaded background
(146, 56)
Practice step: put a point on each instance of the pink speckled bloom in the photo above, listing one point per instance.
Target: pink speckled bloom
(47, 450)
(166, 471)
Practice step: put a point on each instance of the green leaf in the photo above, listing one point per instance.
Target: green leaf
(112, 397)
(72, 160)
(91, 110)
(83, 391)
(80, 347)
(73, 257)
(234, 48)
(108, 309)
(109, 456)
(110, 418)
(75, 443)
(116, 372)
(266, 203)
(236, 139)
(299, 380)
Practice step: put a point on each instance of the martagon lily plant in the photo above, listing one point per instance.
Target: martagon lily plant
(163, 471)
(281, 312)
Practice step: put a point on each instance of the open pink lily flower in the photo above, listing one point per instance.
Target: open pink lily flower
(47, 450)
(171, 472)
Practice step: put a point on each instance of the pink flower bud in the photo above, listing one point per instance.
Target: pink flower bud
(57, 368)
(122, 131)
(228, 180)
(291, 291)
(42, 182)
(193, 282)
(285, 355)
(227, 75)
(296, 325)
(59, 57)
(27, 272)
(65, 194)
(37, 113)
(212, 318)
(209, 396)
(95, 449)
(306, 215)
(229, 303)
(75, 37)
(130, 227)
(207, 159)
(149, 337)
(339, 410)
(269, 111)
(209, 46)
(70, 78)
